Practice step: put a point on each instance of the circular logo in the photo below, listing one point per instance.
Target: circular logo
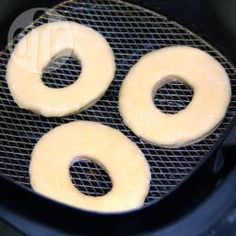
(37, 48)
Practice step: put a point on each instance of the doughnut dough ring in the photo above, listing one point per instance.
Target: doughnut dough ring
(205, 75)
(122, 159)
(35, 50)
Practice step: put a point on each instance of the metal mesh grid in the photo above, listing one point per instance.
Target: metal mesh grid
(90, 178)
(131, 32)
(173, 97)
(57, 78)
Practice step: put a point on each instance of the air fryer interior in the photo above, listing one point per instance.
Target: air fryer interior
(131, 31)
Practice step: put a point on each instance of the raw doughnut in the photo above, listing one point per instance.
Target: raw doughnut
(33, 53)
(205, 75)
(122, 159)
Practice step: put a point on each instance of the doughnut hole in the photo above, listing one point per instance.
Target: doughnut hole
(173, 96)
(90, 178)
(61, 71)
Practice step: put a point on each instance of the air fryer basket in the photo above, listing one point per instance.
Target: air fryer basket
(131, 31)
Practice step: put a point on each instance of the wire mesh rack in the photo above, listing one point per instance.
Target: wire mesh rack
(131, 31)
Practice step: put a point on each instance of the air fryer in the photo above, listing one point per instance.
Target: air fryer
(192, 189)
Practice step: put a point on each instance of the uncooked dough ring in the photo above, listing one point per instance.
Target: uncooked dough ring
(122, 159)
(206, 76)
(33, 53)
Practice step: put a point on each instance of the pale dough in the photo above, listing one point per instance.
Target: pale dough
(33, 53)
(205, 75)
(122, 159)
